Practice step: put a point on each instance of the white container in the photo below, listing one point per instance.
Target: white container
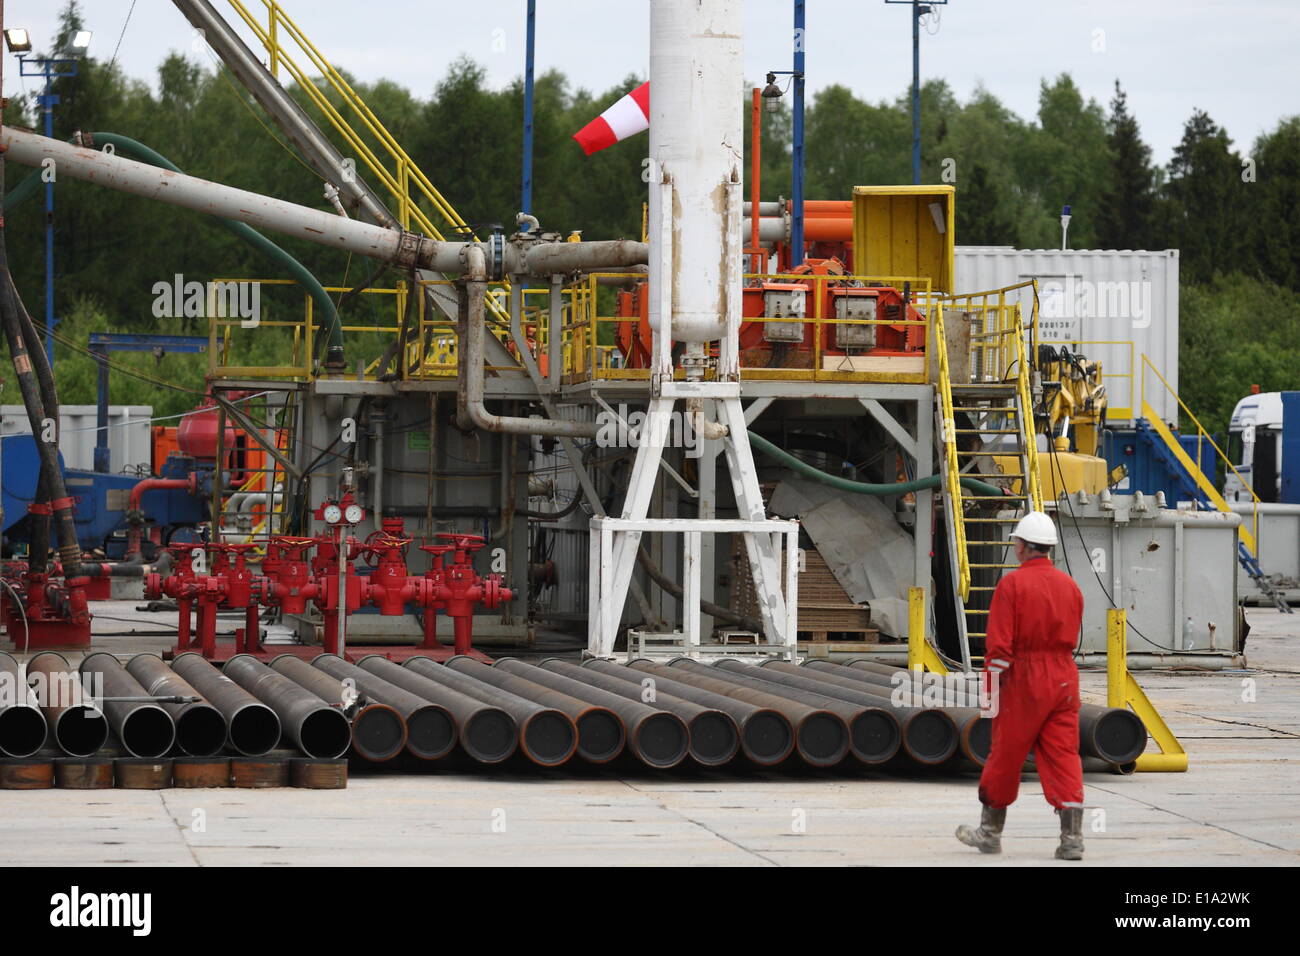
(130, 438)
(1113, 305)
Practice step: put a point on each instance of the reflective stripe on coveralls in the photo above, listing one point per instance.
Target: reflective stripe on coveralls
(1033, 626)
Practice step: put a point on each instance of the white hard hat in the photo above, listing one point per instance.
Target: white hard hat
(1036, 528)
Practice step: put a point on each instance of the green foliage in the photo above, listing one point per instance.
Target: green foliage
(1235, 332)
(1240, 241)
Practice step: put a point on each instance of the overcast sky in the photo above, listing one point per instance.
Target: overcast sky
(1236, 59)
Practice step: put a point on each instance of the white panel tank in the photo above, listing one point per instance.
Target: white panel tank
(130, 437)
(1114, 305)
(696, 148)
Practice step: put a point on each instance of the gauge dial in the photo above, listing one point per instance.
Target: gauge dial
(333, 514)
(353, 514)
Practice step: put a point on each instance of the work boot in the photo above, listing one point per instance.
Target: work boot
(987, 837)
(1071, 847)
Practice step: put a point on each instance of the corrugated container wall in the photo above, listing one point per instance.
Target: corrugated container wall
(1113, 305)
(130, 440)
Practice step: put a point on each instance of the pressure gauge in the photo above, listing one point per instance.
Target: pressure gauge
(353, 514)
(333, 514)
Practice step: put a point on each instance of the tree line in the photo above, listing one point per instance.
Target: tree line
(1230, 211)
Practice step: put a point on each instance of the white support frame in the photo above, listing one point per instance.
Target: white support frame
(605, 610)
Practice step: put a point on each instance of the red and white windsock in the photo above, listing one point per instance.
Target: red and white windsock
(629, 116)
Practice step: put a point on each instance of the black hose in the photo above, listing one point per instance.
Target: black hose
(36, 384)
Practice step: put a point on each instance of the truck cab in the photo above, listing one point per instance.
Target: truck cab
(1255, 436)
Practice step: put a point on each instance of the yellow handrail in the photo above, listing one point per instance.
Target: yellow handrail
(948, 435)
(1248, 538)
(404, 173)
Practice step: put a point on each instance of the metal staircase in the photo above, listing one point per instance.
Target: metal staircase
(986, 433)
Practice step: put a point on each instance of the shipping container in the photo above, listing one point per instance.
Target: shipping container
(130, 438)
(1113, 305)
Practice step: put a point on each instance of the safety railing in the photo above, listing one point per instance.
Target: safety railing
(948, 435)
(387, 161)
(236, 342)
(1204, 482)
(597, 341)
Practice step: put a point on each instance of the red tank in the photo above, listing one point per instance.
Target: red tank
(197, 433)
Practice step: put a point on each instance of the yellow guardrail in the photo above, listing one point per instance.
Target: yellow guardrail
(948, 435)
(386, 160)
(591, 334)
(1203, 482)
(229, 336)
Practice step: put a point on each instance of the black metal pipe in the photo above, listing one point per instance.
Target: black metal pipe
(22, 725)
(974, 730)
(821, 737)
(315, 728)
(486, 733)
(601, 733)
(546, 736)
(874, 732)
(713, 739)
(430, 728)
(655, 737)
(200, 728)
(144, 729)
(79, 729)
(929, 736)
(766, 735)
(1116, 735)
(378, 730)
(252, 728)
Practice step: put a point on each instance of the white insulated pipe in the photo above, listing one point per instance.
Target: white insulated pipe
(696, 151)
(404, 249)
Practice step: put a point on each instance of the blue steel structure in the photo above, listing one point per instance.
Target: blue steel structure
(526, 199)
(101, 343)
(919, 10)
(50, 68)
(797, 157)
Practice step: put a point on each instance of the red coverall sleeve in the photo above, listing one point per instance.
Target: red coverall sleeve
(999, 642)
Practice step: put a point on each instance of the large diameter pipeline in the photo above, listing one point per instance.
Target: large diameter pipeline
(488, 734)
(655, 737)
(378, 731)
(252, 728)
(821, 737)
(430, 728)
(547, 736)
(80, 729)
(766, 734)
(601, 734)
(1115, 734)
(22, 725)
(315, 728)
(929, 736)
(144, 729)
(874, 732)
(713, 737)
(200, 728)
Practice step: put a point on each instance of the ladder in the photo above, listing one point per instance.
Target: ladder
(986, 431)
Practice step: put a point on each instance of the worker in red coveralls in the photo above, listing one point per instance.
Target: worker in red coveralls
(1033, 628)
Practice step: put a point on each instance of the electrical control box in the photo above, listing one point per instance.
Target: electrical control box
(854, 304)
(784, 300)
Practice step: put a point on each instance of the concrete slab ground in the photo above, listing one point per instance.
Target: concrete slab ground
(1238, 804)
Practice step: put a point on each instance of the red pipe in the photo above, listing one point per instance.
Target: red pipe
(151, 484)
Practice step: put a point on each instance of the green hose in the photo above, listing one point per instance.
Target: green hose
(133, 149)
(24, 191)
(863, 487)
